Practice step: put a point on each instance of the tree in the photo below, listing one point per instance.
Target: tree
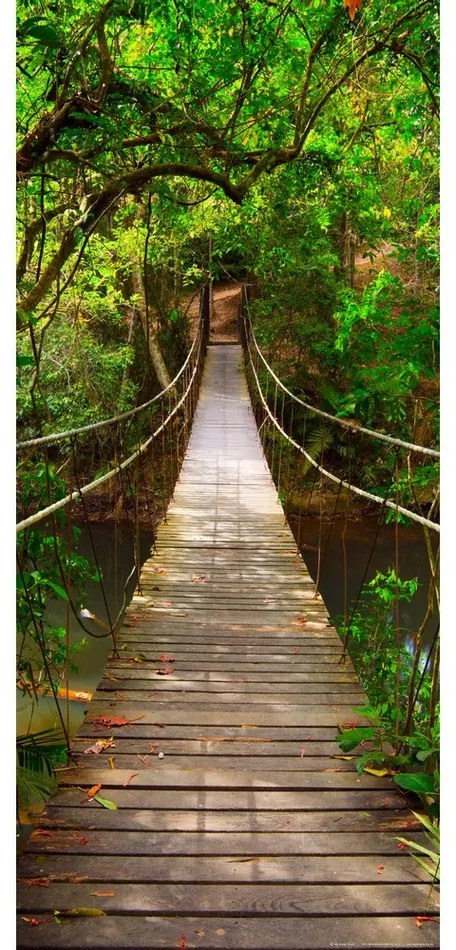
(142, 95)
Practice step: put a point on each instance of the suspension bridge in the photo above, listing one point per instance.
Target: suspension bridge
(232, 819)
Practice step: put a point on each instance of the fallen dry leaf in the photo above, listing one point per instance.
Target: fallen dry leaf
(36, 881)
(34, 922)
(380, 773)
(132, 776)
(111, 721)
(90, 793)
(380, 868)
(165, 671)
(166, 658)
(301, 621)
(99, 746)
(419, 920)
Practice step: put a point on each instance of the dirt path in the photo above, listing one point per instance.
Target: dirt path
(224, 312)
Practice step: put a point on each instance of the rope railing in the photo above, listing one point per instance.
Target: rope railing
(122, 416)
(412, 447)
(254, 356)
(192, 367)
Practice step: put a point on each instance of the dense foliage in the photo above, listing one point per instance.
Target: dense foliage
(297, 135)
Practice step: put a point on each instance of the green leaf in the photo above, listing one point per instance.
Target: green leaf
(352, 737)
(24, 361)
(417, 782)
(57, 589)
(106, 802)
(81, 912)
(423, 850)
(44, 33)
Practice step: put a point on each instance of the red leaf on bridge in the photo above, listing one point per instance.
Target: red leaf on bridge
(90, 793)
(109, 721)
(165, 671)
(166, 658)
(419, 920)
(36, 881)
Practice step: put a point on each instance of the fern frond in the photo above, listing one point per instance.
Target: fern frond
(38, 752)
(33, 785)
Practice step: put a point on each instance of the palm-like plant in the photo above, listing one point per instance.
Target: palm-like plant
(36, 755)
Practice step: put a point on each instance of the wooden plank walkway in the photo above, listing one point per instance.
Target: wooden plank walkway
(236, 826)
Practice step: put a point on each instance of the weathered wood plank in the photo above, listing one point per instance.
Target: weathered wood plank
(199, 698)
(235, 761)
(289, 869)
(396, 821)
(261, 900)
(242, 933)
(248, 844)
(273, 714)
(167, 776)
(150, 681)
(240, 800)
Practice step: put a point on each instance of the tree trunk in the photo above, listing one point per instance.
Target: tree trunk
(155, 352)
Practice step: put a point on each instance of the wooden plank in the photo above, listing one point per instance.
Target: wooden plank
(288, 869)
(215, 745)
(394, 821)
(242, 933)
(118, 669)
(248, 689)
(271, 714)
(244, 843)
(164, 731)
(249, 800)
(236, 762)
(167, 776)
(262, 900)
(197, 697)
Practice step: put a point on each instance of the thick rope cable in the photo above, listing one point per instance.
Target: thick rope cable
(341, 422)
(339, 481)
(69, 433)
(34, 519)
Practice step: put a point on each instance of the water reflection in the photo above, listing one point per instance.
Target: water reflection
(114, 547)
(359, 537)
